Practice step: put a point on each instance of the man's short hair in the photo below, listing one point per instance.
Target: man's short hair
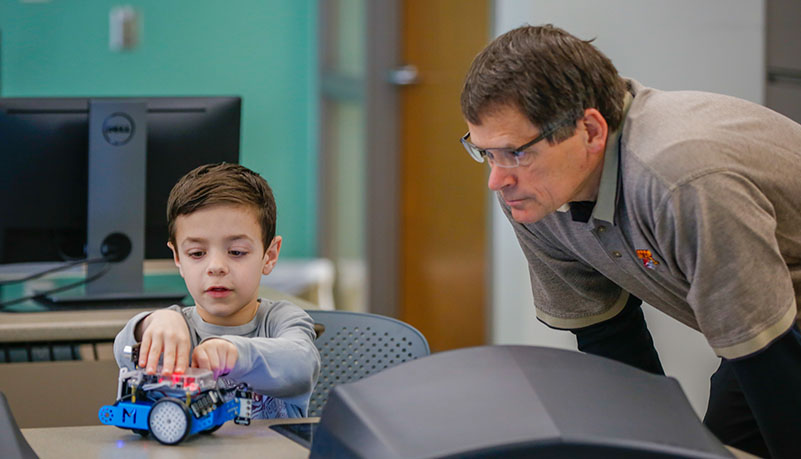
(549, 75)
(224, 183)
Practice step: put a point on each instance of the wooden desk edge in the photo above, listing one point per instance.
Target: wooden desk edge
(89, 324)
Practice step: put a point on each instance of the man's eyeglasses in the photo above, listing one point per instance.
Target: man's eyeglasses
(506, 157)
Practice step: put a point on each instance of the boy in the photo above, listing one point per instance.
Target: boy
(221, 220)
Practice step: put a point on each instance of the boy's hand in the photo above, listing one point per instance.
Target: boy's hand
(216, 354)
(164, 332)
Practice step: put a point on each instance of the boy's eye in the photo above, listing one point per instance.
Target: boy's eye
(196, 253)
(237, 253)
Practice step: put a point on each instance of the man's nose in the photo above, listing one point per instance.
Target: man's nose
(500, 178)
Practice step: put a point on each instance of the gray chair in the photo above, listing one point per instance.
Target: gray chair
(353, 345)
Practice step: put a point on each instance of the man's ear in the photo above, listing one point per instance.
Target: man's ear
(175, 258)
(271, 255)
(597, 130)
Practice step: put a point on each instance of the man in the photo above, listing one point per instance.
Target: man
(687, 200)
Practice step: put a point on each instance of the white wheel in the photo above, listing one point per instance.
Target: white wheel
(169, 421)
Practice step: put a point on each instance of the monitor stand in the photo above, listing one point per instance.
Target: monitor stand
(116, 206)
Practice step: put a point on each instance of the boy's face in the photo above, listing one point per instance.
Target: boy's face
(220, 254)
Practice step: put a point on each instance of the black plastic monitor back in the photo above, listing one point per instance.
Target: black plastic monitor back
(43, 177)
(512, 401)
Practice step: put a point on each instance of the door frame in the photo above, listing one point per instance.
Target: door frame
(380, 102)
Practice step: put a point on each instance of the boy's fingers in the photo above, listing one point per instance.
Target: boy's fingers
(182, 358)
(153, 355)
(214, 362)
(230, 359)
(199, 358)
(222, 365)
(219, 359)
(168, 363)
(144, 348)
(223, 368)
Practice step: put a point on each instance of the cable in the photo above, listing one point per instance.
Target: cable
(39, 295)
(114, 248)
(67, 265)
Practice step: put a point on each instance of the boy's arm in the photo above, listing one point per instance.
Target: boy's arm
(285, 364)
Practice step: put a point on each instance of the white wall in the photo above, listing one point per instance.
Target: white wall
(710, 45)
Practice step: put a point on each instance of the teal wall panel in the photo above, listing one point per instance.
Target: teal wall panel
(262, 50)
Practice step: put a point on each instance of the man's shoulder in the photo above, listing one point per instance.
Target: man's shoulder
(669, 137)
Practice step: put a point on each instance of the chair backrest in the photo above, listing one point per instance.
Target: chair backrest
(355, 345)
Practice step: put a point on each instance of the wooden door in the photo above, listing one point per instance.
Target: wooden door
(444, 237)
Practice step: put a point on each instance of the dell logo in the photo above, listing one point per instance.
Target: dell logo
(118, 129)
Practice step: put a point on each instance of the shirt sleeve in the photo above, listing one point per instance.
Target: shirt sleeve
(719, 230)
(285, 363)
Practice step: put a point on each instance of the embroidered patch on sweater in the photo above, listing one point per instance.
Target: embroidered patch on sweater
(647, 259)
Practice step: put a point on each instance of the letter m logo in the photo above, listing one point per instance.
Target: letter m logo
(129, 414)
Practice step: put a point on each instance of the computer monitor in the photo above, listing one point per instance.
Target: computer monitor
(75, 170)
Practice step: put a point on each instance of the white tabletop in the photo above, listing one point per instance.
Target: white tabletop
(101, 441)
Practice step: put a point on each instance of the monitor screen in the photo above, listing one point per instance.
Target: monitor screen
(43, 180)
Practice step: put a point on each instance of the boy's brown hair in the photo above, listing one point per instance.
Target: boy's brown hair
(223, 183)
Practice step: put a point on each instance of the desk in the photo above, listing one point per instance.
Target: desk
(102, 441)
(231, 440)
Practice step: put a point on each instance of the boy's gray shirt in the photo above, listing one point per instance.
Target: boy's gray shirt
(277, 356)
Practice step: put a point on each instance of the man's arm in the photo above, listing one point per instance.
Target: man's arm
(771, 382)
(624, 338)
